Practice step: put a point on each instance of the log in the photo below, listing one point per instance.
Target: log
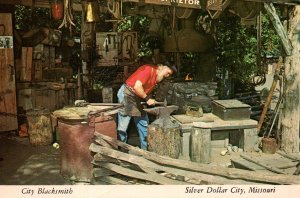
(204, 168)
(266, 166)
(286, 43)
(145, 164)
(164, 140)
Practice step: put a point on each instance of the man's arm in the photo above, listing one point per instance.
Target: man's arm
(139, 91)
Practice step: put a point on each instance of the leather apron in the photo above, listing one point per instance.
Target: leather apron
(132, 103)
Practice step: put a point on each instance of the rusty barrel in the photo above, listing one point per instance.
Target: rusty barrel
(76, 131)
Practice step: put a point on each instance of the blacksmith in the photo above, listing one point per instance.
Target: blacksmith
(135, 90)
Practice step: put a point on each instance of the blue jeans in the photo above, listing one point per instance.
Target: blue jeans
(123, 122)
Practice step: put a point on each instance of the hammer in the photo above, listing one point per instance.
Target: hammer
(164, 103)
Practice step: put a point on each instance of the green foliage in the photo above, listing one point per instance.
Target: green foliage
(237, 48)
(139, 24)
(271, 45)
(27, 18)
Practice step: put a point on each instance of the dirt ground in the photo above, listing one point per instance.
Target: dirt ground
(24, 164)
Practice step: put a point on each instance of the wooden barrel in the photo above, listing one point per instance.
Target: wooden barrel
(39, 127)
(200, 141)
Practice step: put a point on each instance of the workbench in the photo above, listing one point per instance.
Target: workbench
(197, 133)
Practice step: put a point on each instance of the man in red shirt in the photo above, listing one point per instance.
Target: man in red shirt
(136, 90)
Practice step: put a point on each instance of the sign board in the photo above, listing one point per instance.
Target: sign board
(177, 3)
(214, 5)
(6, 42)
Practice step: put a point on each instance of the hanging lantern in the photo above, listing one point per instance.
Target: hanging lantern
(92, 11)
(57, 8)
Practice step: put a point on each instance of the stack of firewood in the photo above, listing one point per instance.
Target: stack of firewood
(136, 166)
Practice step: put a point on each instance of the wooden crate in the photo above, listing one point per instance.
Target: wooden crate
(231, 109)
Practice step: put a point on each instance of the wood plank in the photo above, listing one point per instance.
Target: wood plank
(289, 156)
(100, 172)
(230, 104)
(288, 2)
(226, 125)
(204, 168)
(8, 102)
(246, 164)
(267, 166)
(184, 119)
(216, 14)
(146, 164)
(215, 123)
(26, 64)
(178, 3)
(142, 176)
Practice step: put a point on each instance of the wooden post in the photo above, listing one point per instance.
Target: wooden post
(126, 72)
(271, 11)
(290, 112)
(249, 139)
(200, 145)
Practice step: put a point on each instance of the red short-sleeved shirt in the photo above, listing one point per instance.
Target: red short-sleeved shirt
(146, 74)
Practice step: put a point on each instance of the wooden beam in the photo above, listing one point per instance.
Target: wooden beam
(289, 156)
(290, 2)
(147, 164)
(266, 166)
(269, 7)
(195, 4)
(143, 176)
(37, 4)
(216, 14)
(206, 168)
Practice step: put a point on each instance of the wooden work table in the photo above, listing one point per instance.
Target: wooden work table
(197, 132)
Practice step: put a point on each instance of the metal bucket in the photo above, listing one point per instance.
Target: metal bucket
(269, 145)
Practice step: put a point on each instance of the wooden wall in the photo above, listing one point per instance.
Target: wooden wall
(8, 106)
